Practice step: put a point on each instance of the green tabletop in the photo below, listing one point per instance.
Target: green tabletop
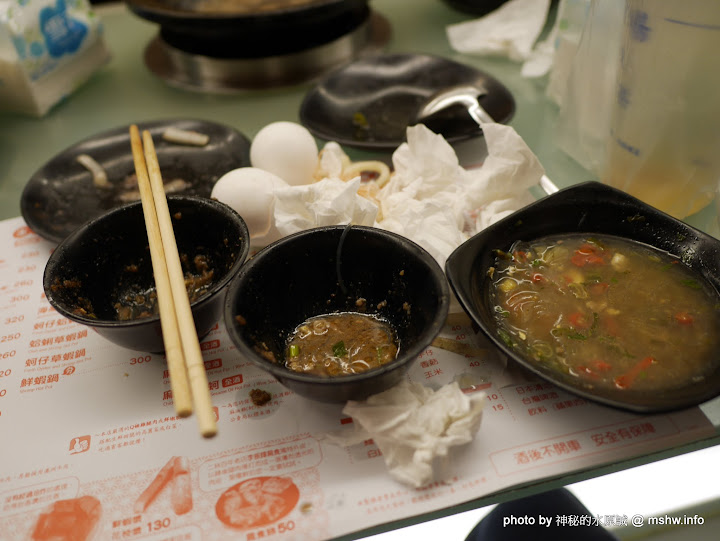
(126, 91)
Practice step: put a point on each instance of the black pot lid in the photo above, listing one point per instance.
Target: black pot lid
(240, 30)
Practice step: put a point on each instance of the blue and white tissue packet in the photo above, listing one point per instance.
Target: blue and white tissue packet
(48, 48)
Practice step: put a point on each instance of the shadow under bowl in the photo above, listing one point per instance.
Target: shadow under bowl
(326, 270)
(108, 258)
(590, 207)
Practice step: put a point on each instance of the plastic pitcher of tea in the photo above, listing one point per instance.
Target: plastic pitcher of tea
(664, 143)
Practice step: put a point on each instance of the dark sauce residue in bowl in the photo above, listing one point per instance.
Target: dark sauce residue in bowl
(137, 302)
(340, 344)
(83, 306)
(606, 312)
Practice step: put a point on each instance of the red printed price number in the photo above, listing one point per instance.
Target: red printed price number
(495, 402)
(159, 524)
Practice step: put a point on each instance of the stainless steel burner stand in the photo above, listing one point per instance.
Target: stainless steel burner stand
(228, 76)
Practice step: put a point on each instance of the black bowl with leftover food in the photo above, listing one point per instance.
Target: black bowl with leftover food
(101, 275)
(591, 208)
(336, 269)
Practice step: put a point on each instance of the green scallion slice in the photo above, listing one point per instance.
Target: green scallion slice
(339, 349)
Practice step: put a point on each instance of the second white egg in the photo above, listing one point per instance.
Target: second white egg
(249, 191)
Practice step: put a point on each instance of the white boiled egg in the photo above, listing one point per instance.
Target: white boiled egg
(287, 150)
(249, 191)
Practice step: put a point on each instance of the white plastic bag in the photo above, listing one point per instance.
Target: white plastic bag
(641, 108)
(664, 144)
(589, 90)
(564, 38)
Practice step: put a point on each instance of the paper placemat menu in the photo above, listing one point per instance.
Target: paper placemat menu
(92, 448)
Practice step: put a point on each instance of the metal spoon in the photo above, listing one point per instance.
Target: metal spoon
(467, 96)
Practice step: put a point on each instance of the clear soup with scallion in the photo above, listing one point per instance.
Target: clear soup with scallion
(607, 312)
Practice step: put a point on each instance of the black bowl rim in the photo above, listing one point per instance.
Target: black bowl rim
(160, 13)
(406, 356)
(89, 225)
(586, 191)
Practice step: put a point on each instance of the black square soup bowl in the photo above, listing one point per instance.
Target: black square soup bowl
(589, 207)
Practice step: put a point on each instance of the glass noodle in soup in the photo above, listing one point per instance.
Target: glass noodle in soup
(340, 344)
(607, 312)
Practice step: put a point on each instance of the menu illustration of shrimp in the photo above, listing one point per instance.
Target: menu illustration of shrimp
(176, 472)
(257, 502)
(180, 490)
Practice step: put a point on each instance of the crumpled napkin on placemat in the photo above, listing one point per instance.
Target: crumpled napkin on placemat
(509, 31)
(412, 425)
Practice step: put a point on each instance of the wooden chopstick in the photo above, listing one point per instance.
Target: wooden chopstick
(166, 305)
(182, 348)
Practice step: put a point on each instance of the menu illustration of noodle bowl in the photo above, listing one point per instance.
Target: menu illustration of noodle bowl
(257, 502)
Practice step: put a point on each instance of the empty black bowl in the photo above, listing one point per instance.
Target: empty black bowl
(325, 270)
(589, 207)
(109, 256)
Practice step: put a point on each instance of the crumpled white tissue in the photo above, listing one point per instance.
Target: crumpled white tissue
(330, 201)
(438, 204)
(332, 160)
(509, 31)
(412, 425)
(430, 198)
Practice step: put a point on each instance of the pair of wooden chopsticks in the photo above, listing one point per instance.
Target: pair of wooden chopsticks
(188, 379)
